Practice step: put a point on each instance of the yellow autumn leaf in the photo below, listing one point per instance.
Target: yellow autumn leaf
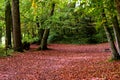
(34, 5)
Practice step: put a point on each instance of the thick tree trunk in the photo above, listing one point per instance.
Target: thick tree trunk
(8, 20)
(44, 39)
(115, 54)
(116, 32)
(16, 26)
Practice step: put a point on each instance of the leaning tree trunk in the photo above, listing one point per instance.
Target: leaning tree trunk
(116, 32)
(46, 32)
(16, 26)
(115, 54)
(8, 20)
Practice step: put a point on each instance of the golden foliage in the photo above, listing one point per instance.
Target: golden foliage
(34, 6)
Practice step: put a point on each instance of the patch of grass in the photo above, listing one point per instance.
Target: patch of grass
(4, 52)
(114, 59)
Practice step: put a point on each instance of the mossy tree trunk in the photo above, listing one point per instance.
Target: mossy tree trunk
(0, 34)
(40, 31)
(43, 45)
(8, 22)
(44, 39)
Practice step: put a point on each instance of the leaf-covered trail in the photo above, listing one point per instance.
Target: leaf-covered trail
(62, 62)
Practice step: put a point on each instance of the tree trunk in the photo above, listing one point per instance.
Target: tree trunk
(0, 34)
(116, 32)
(115, 54)
(46, 32)
(16, 26)
(44, 39)
(117, 3)
(40, 31)
(8, 20)
(33, 32)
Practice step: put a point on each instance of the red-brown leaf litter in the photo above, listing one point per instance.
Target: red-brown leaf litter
(61, 62)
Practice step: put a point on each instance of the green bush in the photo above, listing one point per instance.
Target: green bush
(55, 37)
(4, 52)
(101, 36)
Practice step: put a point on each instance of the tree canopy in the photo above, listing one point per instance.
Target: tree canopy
(68, 21)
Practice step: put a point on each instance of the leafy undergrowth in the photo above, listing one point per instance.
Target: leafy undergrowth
(61, 62)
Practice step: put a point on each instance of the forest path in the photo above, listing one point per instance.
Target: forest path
(61, 62)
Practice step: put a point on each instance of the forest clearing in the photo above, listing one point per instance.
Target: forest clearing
(61, 62)
(59, 40)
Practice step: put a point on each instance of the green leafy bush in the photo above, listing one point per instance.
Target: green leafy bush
(55, 37)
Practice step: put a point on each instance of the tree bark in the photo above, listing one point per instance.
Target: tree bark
(40, 31)
(16, 26)
(44, 39)
(46, 32)
(115, 54)
(8, 22)
(116, 30)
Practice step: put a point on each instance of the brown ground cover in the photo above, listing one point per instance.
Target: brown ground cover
(61, 62)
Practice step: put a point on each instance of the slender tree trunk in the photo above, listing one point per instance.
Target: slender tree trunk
(33, 32)
(8, 20)
(40, 31)
(46, 32)
(115, 54)
(116, 32)
(44, 39)
(0, 34)
(16, 26)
